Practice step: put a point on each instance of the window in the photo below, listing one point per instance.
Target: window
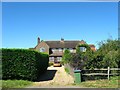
(83, 49)
(53, 50)
(71, 50)
(64, 49)
(51, 59)
(42, 49)
(60, 49)
(59, 58)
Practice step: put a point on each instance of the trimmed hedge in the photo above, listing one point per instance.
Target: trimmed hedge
(23, 64)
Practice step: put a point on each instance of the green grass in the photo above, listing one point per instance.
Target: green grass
(114, 82)
(15, 83)
(67, 70)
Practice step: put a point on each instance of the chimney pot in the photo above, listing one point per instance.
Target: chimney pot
(62, 39)
(38, 40)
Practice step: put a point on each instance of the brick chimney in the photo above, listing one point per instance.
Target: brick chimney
(62, 40)
(38, 40)
(82, 42)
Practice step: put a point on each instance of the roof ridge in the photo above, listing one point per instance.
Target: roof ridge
(60, 40)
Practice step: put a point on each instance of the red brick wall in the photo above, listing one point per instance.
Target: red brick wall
(42, 44)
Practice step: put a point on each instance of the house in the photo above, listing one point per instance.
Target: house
(55, 49)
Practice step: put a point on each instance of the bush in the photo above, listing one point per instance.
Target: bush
(50, 63)
(66, 56)
(67, 70)
(23, 64)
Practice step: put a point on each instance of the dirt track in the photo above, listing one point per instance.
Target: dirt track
(55, 76)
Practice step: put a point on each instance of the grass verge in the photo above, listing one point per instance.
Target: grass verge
(15, 83)
(67, 70)
(114, 82)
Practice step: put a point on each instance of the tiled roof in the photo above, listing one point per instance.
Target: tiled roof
(63, 44)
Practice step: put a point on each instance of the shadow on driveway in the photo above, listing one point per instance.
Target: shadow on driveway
(48, 75)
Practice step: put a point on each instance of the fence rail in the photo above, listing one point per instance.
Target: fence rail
(102, 69)
(94, 72)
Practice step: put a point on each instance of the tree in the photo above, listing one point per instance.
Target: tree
(67, 56)
(80, 59)
(108, 53)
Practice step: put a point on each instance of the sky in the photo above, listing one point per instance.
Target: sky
(24, 22)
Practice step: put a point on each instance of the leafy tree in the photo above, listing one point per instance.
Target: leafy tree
(80, 59)
(67, 56)
(110, 59)
(108, 53)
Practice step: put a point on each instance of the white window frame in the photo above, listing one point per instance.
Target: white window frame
(42, 49)
(83, 49)
(71, 49)
(60, 49)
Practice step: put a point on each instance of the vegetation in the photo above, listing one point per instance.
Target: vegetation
(67, 56)
(67, 70)
(23, 64)
(106, 56)
(51, 64)
(15, 83)
(112, 83)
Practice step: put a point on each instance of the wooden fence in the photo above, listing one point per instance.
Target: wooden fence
(102, 69)
(95, 72)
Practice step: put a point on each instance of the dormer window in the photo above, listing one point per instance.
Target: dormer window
(83, 49)
(42, 49)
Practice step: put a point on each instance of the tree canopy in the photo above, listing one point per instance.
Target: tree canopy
(108, 55)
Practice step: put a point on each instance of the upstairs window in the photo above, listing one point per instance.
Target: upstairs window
(71, 50)
(83, 49)
(42, 49)
(60, 49)
(54, 50)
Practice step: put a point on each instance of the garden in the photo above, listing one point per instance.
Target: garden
(22, 67)
(94, 65)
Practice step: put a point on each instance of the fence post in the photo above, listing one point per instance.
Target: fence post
(108, 72)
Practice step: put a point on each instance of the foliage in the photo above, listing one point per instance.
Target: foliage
(80, 59)
(82, 45)
(108, 54)
(51, 63)
(67, 56)
(109, 50)
(67, 70)
(15, 83)
(23, 64)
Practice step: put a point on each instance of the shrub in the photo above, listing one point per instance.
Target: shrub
(23, 64)
(50, 63)
(67, 70)
(67, 56)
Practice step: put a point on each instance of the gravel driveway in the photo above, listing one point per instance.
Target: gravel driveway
(55, 76)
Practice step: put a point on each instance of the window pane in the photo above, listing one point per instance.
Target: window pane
(83, 49)
(42, 49)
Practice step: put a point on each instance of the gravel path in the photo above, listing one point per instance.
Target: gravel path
(55, 77)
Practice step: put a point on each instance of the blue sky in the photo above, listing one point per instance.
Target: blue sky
(23, 22)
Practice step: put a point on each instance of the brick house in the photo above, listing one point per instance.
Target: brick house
(55, 49)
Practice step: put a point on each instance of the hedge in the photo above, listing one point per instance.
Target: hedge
(23, 64)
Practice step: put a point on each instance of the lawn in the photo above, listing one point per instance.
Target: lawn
(114, 82)
(15, 83)
(104, 83)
